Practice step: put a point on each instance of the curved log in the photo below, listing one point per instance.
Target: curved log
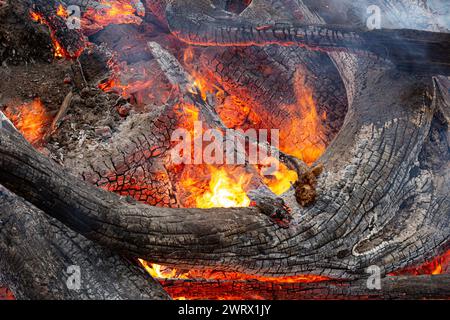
(346, 231)
(36, 253)
(208, 25)
(379, 203)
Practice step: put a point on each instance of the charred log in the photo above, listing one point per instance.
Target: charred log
(382, 198)
(185, 238)
(427, 51)
(38, 257)
(391, 288)
(70, 41)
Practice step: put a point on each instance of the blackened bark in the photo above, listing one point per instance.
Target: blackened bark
(411, 50)
(70, 39)
(37, 252)
(378, 203)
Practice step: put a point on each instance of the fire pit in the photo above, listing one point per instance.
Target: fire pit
(224, 149)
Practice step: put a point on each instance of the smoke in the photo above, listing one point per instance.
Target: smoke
(431, 15)
(442, 10)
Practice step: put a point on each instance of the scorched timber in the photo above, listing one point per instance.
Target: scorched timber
(382, 199)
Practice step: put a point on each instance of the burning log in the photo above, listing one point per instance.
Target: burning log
(204, 239)
(381, 194)
(68, 42)
(401, 288)
(209, 25)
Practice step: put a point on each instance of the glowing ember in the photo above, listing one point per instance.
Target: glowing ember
(59, 50)
(163, 273)
(6, 294)
(62, 12)
(141, 84)
(436, 266)
(36, 17)
(30, 119)
(126, 91)
(110, 12)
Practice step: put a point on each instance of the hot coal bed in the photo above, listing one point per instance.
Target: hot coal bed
(224, 149)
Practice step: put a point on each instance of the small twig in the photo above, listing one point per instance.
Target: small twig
(82, 73)
(60, 115)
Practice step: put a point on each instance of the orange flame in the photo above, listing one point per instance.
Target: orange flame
(61, 11)
(30, 119)
(224, 191)
(111, 12)
(282, 180)
(438, 265)
(59, 50)
(307, 125)
(160, 272)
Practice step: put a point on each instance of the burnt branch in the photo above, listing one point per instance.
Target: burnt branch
(207, 25)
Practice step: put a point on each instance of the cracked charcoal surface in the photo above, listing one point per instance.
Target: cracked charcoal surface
(383, 197)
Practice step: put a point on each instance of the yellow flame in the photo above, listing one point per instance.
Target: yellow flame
(61, 11)
(224, 191)
(160, 272)
(282, 180)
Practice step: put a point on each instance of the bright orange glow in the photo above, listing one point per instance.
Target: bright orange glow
(202, 83)
(136, 83)
(211, 187)
(110, 12)
(434, 267)
(30, 119)
(6, 294)
(282, 180)
(59, 50)
(114, 85)
(224, 191)
(307, 126)
(36, 17)
(108, 85)
(62, 12)
(161, 272)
